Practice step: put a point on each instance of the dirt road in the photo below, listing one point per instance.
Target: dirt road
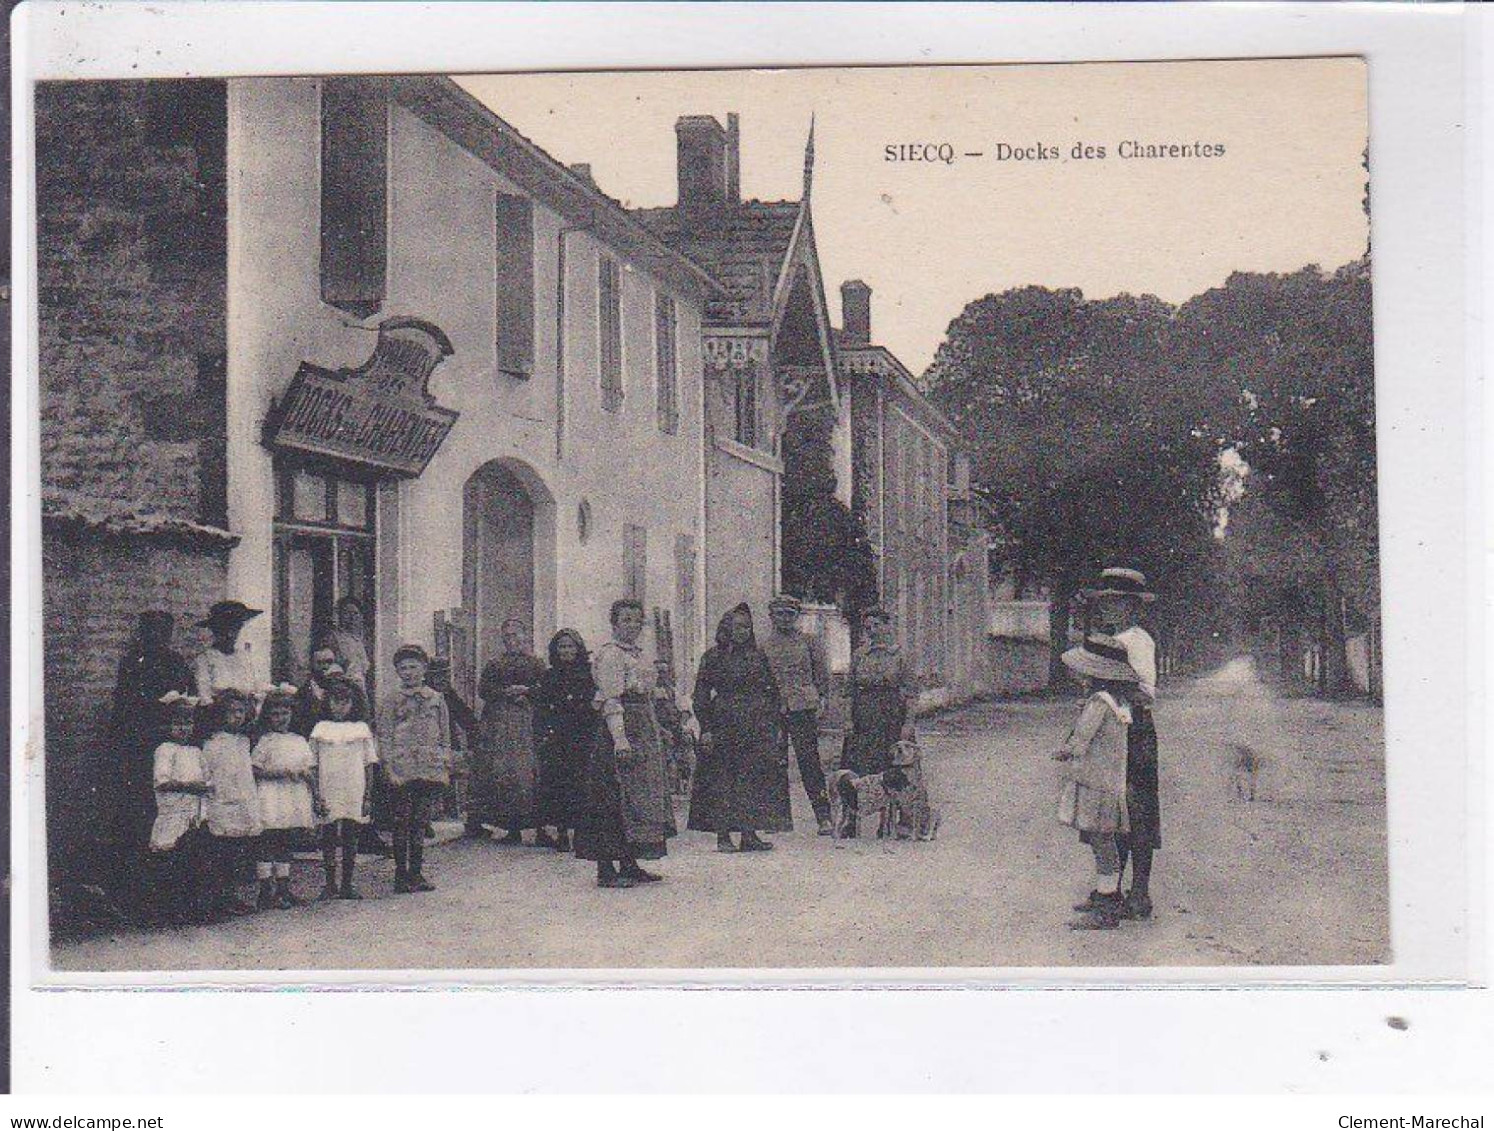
(1296, 877)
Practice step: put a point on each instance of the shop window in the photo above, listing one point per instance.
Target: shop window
(666, 317)
(355, 158)
(324, 552)
(514, 308)
(609, 324)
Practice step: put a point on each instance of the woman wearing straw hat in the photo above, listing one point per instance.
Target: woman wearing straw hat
(1119, 600)
(1092, 793)
(224, 664)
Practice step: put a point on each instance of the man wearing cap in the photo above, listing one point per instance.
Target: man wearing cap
(1119, 599)
(225, 663)
(798, 663)
(311, 699)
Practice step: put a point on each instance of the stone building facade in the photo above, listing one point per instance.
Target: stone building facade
(769, 352)
(310, 339)
(911, 488)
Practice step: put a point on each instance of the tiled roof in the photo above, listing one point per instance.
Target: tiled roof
(742, 245)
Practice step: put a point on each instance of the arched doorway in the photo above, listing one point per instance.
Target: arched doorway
(508, 555)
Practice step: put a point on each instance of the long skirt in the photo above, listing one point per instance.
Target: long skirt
(563, 759)
(1143, 805)
(877, 718)
(505, 770)
(627, 811)
(742, 781)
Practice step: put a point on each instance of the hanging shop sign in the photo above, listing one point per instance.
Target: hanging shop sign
(380, 415)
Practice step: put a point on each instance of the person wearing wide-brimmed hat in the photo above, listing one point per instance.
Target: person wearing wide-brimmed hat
(803, 675)
(225, 663)
(1119, 601)
(1092, 791)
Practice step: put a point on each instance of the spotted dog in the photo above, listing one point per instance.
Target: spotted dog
(870, 799)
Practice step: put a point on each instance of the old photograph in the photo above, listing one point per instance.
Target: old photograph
(861, 518)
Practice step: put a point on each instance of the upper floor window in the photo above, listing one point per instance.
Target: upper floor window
(609, 325)
(513, 224)
(745, 397)
(355, 158)
(666, 316)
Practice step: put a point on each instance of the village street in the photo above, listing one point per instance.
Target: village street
(1297, 876)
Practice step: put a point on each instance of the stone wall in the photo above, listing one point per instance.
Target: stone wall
(132, 275)
(95, 586)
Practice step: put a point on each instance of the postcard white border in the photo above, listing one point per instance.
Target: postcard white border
(1430, 508)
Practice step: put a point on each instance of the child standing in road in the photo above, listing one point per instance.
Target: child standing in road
(1092, 794)
(283, 771)
(231, 809)
(344, 749)
(415, 749)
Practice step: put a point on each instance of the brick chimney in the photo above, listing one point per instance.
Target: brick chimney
(855, 312)
(702, 161)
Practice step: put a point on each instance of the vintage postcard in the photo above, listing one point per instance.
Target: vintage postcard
(819, 519)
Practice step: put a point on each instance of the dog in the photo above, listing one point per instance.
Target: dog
(896, 797)
(871, 799)
(914, 815)
(910, 812)
(1244, 771)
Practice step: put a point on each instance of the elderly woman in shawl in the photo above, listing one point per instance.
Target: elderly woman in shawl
(565, 726)
(741, 784)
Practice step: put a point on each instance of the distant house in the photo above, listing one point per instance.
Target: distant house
(911, 484)
(769, 352)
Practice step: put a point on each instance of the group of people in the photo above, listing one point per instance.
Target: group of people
(576, 748)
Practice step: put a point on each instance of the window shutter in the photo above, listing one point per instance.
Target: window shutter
(609, 322)
(667, 364)
(635, 561)
(514, 310)
(685, 597)
(746, 406)
(355, 157)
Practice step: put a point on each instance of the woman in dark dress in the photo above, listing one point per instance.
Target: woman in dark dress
(741, 784)
(627, 816)
(565, 727)
(148, 670)
(883, 694)
(506, 771)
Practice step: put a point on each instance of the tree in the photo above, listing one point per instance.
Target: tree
(827, 556)
(1092, 448)
(1304, 539)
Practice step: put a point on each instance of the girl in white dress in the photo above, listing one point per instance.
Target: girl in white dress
(343, 747)
(231, 809)
(175, 840)
(284, 769)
